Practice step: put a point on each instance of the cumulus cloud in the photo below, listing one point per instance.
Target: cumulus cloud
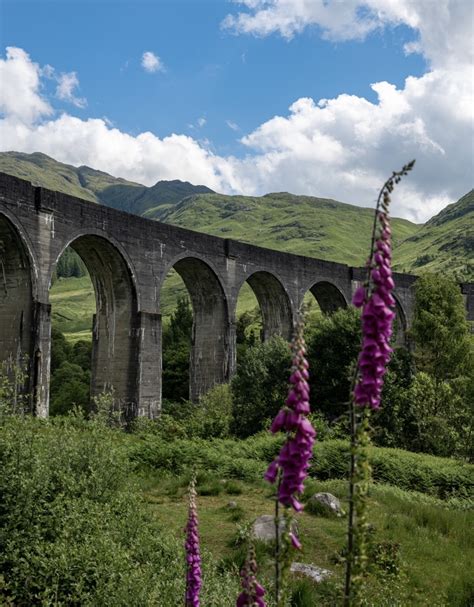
(444, 27)
(338, 148)
(67, 83)
(20, 97)
(152, 63)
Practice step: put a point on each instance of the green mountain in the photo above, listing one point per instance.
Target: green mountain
(96, 186)
(317, 227)
(444, 244)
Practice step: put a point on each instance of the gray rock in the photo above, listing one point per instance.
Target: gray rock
(317, 574)
(327, 502)
(231, 505)
(264, 527)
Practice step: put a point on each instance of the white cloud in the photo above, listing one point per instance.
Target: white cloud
(338, 148)
(201, 122)
(152, 63)
(232, 125)
(67, 83)
(444, 26)
(20, 97)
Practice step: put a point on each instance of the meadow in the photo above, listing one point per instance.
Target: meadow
(109, 508)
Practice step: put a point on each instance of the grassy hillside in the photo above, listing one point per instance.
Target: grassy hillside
(305, 225)
(444, 244)
(94, 185)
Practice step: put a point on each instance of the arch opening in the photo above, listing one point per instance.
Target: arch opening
(275, 305)
(399, 325)
(17, 311)
(99, 307)
(328, 296)
(209, 341)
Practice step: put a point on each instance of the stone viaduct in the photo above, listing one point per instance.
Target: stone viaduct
(128, 258)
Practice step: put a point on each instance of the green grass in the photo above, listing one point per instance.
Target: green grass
(444, 244)
(304, 225)
(72, 307)
(431, 537)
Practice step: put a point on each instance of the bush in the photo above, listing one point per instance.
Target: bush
(248, 459)
(436, 476)
(73, 530)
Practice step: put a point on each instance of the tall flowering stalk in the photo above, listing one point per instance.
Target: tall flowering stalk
(290, 468)
(377, 304)
(193, 557)
(252, 592)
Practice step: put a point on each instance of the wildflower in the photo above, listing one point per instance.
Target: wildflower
(193, 557)
(377, 318)
(294, 456)
(252, 593)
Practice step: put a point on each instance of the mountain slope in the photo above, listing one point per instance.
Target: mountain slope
(94, 185)
(444, 244)
(306, 225)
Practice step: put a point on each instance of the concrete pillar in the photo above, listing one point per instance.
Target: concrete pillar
(41, 361)
(114, 358)
(211, 334)
(149, 365)
(210, 353)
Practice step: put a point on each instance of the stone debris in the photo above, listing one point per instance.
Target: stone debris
(264, 528)
(317, 574)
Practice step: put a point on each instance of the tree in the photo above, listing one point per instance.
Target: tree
(333, 347)
(260, 386)
(176, 352)
(443, 345)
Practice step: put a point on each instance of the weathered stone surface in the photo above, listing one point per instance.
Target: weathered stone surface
(128, 258)
(328, 502)
(317, 574)
(264, 527)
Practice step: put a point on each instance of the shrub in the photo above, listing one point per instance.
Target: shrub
(248, 459)
(73, 531)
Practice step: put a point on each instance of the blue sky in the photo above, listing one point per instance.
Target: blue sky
(218, 106)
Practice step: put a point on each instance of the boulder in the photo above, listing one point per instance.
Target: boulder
(317, 574)
(326, 503)
(264, 527)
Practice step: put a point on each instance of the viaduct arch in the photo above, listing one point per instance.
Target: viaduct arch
(128, 258)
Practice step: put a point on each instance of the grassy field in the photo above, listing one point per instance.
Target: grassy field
(435, 544)
(114, 503)
(72, 306)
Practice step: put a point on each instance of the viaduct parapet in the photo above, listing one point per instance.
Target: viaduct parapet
(128, 259)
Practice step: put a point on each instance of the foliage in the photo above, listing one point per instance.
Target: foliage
(260, 386)
(247, 460)
(14, 397)
(70, 374)
(70, 265)
(210, 418)
(428, 474)
(73, 528)
(176, 352)
(443, 347)
(333, 346)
